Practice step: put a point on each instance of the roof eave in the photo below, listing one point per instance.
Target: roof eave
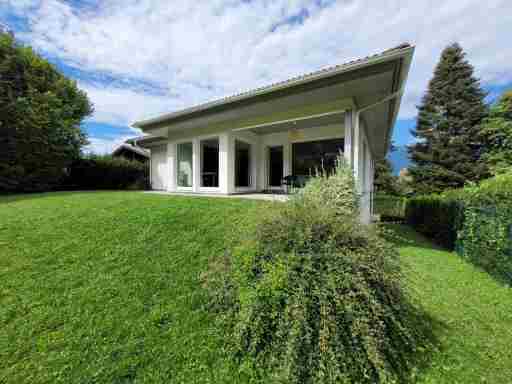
(406, 65)
(403, 52)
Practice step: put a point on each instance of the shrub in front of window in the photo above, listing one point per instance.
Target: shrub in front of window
(316, 297)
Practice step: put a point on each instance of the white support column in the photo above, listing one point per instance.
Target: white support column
(262, 166)
(255, 159)
(226, 170)
(347, 150)
(196, 165)
(357, 159)
(231, 163)
(171, 167)
(372, 176)
(287, 159)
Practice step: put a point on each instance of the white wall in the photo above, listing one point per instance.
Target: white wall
(159, 168)
(163, 159)
(358, 154)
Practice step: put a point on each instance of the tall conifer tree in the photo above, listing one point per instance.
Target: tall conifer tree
(449, 144)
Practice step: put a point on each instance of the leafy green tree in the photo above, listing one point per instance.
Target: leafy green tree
(497, 133)
(449, 145)
(40, 116)
(385, 181)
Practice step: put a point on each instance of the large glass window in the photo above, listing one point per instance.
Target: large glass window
(185, 165)
(315, 155)
(242, 164)
(210, 163)
(275, 166)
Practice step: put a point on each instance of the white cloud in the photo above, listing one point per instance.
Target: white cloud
(203, 50)
(105, 145)
(120, 106)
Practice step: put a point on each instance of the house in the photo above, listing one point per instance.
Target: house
(251, 141)
(129, 151)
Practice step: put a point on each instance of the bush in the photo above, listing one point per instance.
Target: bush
(389, 207)
(316, 297)
(475, 220)
(106, 172)
(438, 217)
(41, 112)
(485, 238)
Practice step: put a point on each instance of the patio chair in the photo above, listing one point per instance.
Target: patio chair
(289, 183)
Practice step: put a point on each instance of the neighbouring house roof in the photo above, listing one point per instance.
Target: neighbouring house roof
(298, 80)
(132, 148)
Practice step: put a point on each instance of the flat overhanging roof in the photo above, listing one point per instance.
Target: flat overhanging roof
(365, 81)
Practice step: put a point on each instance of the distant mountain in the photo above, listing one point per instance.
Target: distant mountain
(399, 159)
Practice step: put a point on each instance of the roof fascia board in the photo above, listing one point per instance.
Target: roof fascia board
(281, 86)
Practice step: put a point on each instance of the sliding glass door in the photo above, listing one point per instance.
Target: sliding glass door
(308, 157)
(275, 166)
(184, 173)
(242, 164)
(210, 163)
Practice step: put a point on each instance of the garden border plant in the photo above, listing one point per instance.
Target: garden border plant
(316, 297)
(107, 172)
(476, 221)
(485, 237)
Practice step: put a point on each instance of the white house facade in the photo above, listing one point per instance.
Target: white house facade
(266, 139)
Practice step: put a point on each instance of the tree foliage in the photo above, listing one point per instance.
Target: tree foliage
(497, 133)
(40, 116)
(447, 152)
(385, 181)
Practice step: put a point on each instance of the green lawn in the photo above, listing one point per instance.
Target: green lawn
(104, 287)
(472, 313)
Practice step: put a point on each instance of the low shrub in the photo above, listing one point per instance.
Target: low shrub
(485, 238)
(106, 172)
(438, 217)
(389, 207)
(316, 297)
(476, 221)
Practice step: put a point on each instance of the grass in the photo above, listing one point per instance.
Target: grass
(104, 287)
(472, 313)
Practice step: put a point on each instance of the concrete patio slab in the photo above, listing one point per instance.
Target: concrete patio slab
(250, 196)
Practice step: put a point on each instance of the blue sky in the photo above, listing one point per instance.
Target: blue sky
(139, 58)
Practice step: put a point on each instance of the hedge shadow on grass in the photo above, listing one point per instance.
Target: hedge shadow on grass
(401, 235)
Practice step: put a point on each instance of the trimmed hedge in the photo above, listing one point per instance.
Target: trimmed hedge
(438, 217)
(106, 172)
(485, 238)
(475, 221)
(389, 207)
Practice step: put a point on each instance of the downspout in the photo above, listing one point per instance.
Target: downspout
(365, 108)
(387, 98)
